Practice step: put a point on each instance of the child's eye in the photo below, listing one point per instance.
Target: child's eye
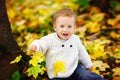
(62, 26)
(69, 26)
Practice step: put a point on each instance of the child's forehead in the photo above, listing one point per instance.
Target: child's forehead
(65, 19)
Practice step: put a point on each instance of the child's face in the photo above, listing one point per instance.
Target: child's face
(64, 27)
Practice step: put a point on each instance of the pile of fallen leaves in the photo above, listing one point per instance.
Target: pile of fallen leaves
(100, 33)
(101, 36)
(33, 68)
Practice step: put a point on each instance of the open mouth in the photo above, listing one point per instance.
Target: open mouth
(65, 35)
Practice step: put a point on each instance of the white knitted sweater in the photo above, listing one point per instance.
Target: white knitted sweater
(69, 51)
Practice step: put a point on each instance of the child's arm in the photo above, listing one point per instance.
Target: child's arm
(40, 45)
(84, 56)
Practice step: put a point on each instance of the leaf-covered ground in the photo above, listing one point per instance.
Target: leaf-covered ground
(32, 19)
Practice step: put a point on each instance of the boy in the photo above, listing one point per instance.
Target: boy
(63, 49)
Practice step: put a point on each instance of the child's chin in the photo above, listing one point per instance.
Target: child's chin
(65, 38)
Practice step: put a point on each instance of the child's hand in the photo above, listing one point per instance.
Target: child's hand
(90, 69)
(32, 47)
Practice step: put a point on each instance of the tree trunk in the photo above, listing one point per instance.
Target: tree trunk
(102, 4)
(9, 49)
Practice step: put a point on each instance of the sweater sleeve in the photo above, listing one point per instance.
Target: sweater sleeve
(84, 56)
(42, 44)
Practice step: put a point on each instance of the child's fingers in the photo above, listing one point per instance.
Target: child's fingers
(32, 47)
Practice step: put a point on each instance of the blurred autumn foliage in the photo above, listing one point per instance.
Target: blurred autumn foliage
(99, 30)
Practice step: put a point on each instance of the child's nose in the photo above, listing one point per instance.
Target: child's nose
(65, 29)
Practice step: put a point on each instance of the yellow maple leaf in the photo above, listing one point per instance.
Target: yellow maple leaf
(111, 22)
(42, 71)
(11, 13)
(96, 48)
(99, 51)
(95, 70)
(114, 35)
(59, 66)
(100, 65)
(36, 58)
(34, 23)
(117, 53)
(98, 17)
(29, 37)
(117, 61)
(116, 71)
(28, 13)
(21, 28)
(16, 60)
(93, 26)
